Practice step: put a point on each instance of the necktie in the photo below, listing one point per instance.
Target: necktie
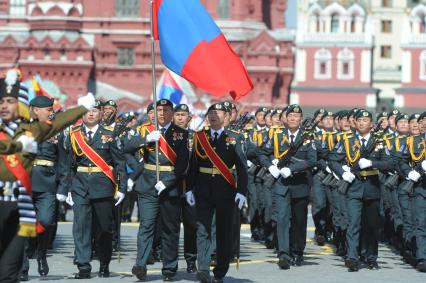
(216, 136)
(163, 130)
(89, 135)
(364, 142)
(291, 138)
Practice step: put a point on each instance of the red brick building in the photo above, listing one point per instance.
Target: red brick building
(103, 46)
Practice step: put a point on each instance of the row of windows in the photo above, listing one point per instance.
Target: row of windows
(323, 64)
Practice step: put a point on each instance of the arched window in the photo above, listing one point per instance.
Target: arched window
(345, 64)
(322, 64)
(223, 9)
(335, 23)
(353, 24)
(423, 65)
(423, 24)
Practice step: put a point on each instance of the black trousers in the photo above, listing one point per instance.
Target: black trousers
(299, 222)
(11, 245)
(100, 211)
(224, 209)
(189, 232)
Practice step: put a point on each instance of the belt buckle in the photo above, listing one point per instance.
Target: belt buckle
(89, 170)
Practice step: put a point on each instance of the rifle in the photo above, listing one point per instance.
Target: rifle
(408, 186)
(391, 182)
(308, 125)
(121, 124)
(241, 122)
(377, 135)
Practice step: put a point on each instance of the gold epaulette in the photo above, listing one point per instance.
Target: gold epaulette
(109, 128)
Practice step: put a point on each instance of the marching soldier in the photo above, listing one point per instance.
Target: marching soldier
(363, 193)
(182, 118)
(161, 196)
(109, 114)
(291, 189)
(98, 167)
(17, 149)
(44, 184)
(413, 167)
(214, 190)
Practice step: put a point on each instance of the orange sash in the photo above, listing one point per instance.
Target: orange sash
(215, 159)
(14, 164)
(93, 155)
(164, 147)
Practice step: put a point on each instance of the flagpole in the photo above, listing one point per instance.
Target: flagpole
(154, 87)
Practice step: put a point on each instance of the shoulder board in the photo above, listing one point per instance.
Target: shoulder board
(109, 128)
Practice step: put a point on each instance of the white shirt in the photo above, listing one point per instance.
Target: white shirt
(259, 128)
(212, 132)
(165, 127)
(294, 134)
(367, 138)
(93, 130)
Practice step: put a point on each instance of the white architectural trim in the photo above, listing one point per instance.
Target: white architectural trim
(334, 8)
(301, 65)
(422, 62)
(406, 67)
(418, 10)
(345, 56)
(366, 66)
(322, 56)
(356, 10)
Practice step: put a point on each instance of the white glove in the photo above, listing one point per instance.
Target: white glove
(60, 197)
(241, 200)
(414, 175)
(273, 169)
(119, 196)
(153, 136)
(160, 187)
(88, 101)
(285, 172)
(249, 163)
(69, 199)
(346, 168)
(424, 165)
(364, 163)
(190, 198)
(275, 161)
(328, 170)
(130, 185)
(28, 144)
(348, 177)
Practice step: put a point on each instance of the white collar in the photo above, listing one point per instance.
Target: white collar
(367, 137)
(259, 128)
(295, 133)
(165, 127)
(212, 131)
(93, 129)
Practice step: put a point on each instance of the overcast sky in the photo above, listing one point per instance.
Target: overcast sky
(291, 14)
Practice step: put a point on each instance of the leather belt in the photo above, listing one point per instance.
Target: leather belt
(211, 170)
(83, 169)
(368, 173)
(153, 167)
(41, 162)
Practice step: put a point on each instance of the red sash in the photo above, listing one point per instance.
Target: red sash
(93, 155)
(14, 164)
(215, 159)
(164, 147)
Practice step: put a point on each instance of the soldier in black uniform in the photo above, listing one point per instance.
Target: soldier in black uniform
(98, 166)
(44, 184)
(291, 190)
(163, 196)
(182, 118)
(363, 194)
(212, 193)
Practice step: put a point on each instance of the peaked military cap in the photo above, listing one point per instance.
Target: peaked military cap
(382, 115)
(402, 116)
(363, 113)
(319, 111)
(294, 108)
(327, 114)
(227, 105)
(41, 102)
(164, 102)
(217, 106)
(414, 116)
(394, 112)
(422, 116)
(182, 108)
(261, 109)
(110, 103)
(150, 107)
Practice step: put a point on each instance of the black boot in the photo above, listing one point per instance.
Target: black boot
(43, 267)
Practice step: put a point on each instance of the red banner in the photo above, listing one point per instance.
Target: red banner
(164, 147)
(215, 159)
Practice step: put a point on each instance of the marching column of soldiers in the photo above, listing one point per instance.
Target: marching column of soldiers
(362, 177)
